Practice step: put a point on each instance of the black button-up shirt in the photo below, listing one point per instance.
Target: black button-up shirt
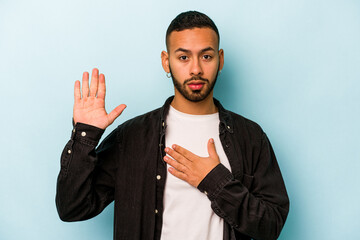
(128, 167)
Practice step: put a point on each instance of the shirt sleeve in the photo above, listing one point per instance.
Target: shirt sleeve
(85, 184)
(258, 205)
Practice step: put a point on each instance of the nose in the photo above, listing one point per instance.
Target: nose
(196, 68)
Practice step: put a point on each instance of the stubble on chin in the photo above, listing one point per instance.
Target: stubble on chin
(194, 95)
(188, 94)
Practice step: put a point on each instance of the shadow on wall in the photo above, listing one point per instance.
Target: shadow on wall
(105, 222)
(229, 89)
(297, 201)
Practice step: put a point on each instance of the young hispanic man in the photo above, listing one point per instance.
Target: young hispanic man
(224, 180)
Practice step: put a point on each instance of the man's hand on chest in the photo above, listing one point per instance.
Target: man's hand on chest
(190, 167)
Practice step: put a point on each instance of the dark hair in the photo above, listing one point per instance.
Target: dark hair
(190, 20)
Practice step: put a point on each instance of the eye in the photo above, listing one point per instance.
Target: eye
(207, 57)
(183, 58)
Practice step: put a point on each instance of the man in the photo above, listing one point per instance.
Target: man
(224, 181)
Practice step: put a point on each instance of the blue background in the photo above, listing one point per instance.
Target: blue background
(291, 66)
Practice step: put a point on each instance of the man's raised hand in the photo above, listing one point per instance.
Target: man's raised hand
(89, 104)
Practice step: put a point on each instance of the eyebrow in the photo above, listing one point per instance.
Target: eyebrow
(187, 51)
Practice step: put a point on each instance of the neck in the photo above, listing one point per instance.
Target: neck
(203, 107)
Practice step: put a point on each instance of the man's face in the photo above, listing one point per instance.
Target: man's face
(194, 60)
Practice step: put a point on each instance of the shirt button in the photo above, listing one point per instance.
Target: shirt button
(156, 211)
(158, 177)
(205, 192)
(74, 130)
(69, 151)
(228, 127)
(83, 134)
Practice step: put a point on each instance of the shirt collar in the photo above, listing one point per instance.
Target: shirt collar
(224, 116)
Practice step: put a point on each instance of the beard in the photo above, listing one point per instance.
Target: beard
(194, 95)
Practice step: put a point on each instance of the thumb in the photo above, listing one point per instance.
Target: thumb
(211, 148)
(116, 112)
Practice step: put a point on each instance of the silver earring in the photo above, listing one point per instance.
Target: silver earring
(220, 72)
(168, 75)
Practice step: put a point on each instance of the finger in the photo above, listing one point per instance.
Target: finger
(178, 174)
(211, 148)
(116, 112)
(94, 82)
(177, 156)
(77, 93)
(178, 166)
(184, 152)
(85, 85)
(102, 87)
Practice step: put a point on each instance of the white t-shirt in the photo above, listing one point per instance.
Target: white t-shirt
(187, 211)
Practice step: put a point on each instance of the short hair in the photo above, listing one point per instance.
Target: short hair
(190, 20)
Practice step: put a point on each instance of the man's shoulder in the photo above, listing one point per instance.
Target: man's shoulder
(242, 124)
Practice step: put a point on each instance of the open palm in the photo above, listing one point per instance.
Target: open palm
(89, 103)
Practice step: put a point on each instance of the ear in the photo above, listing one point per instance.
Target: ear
(165, 61)
(221, 59)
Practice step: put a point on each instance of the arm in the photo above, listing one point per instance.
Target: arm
(85, 183)
(260, 211)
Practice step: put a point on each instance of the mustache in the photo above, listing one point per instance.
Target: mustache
(195, 78)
